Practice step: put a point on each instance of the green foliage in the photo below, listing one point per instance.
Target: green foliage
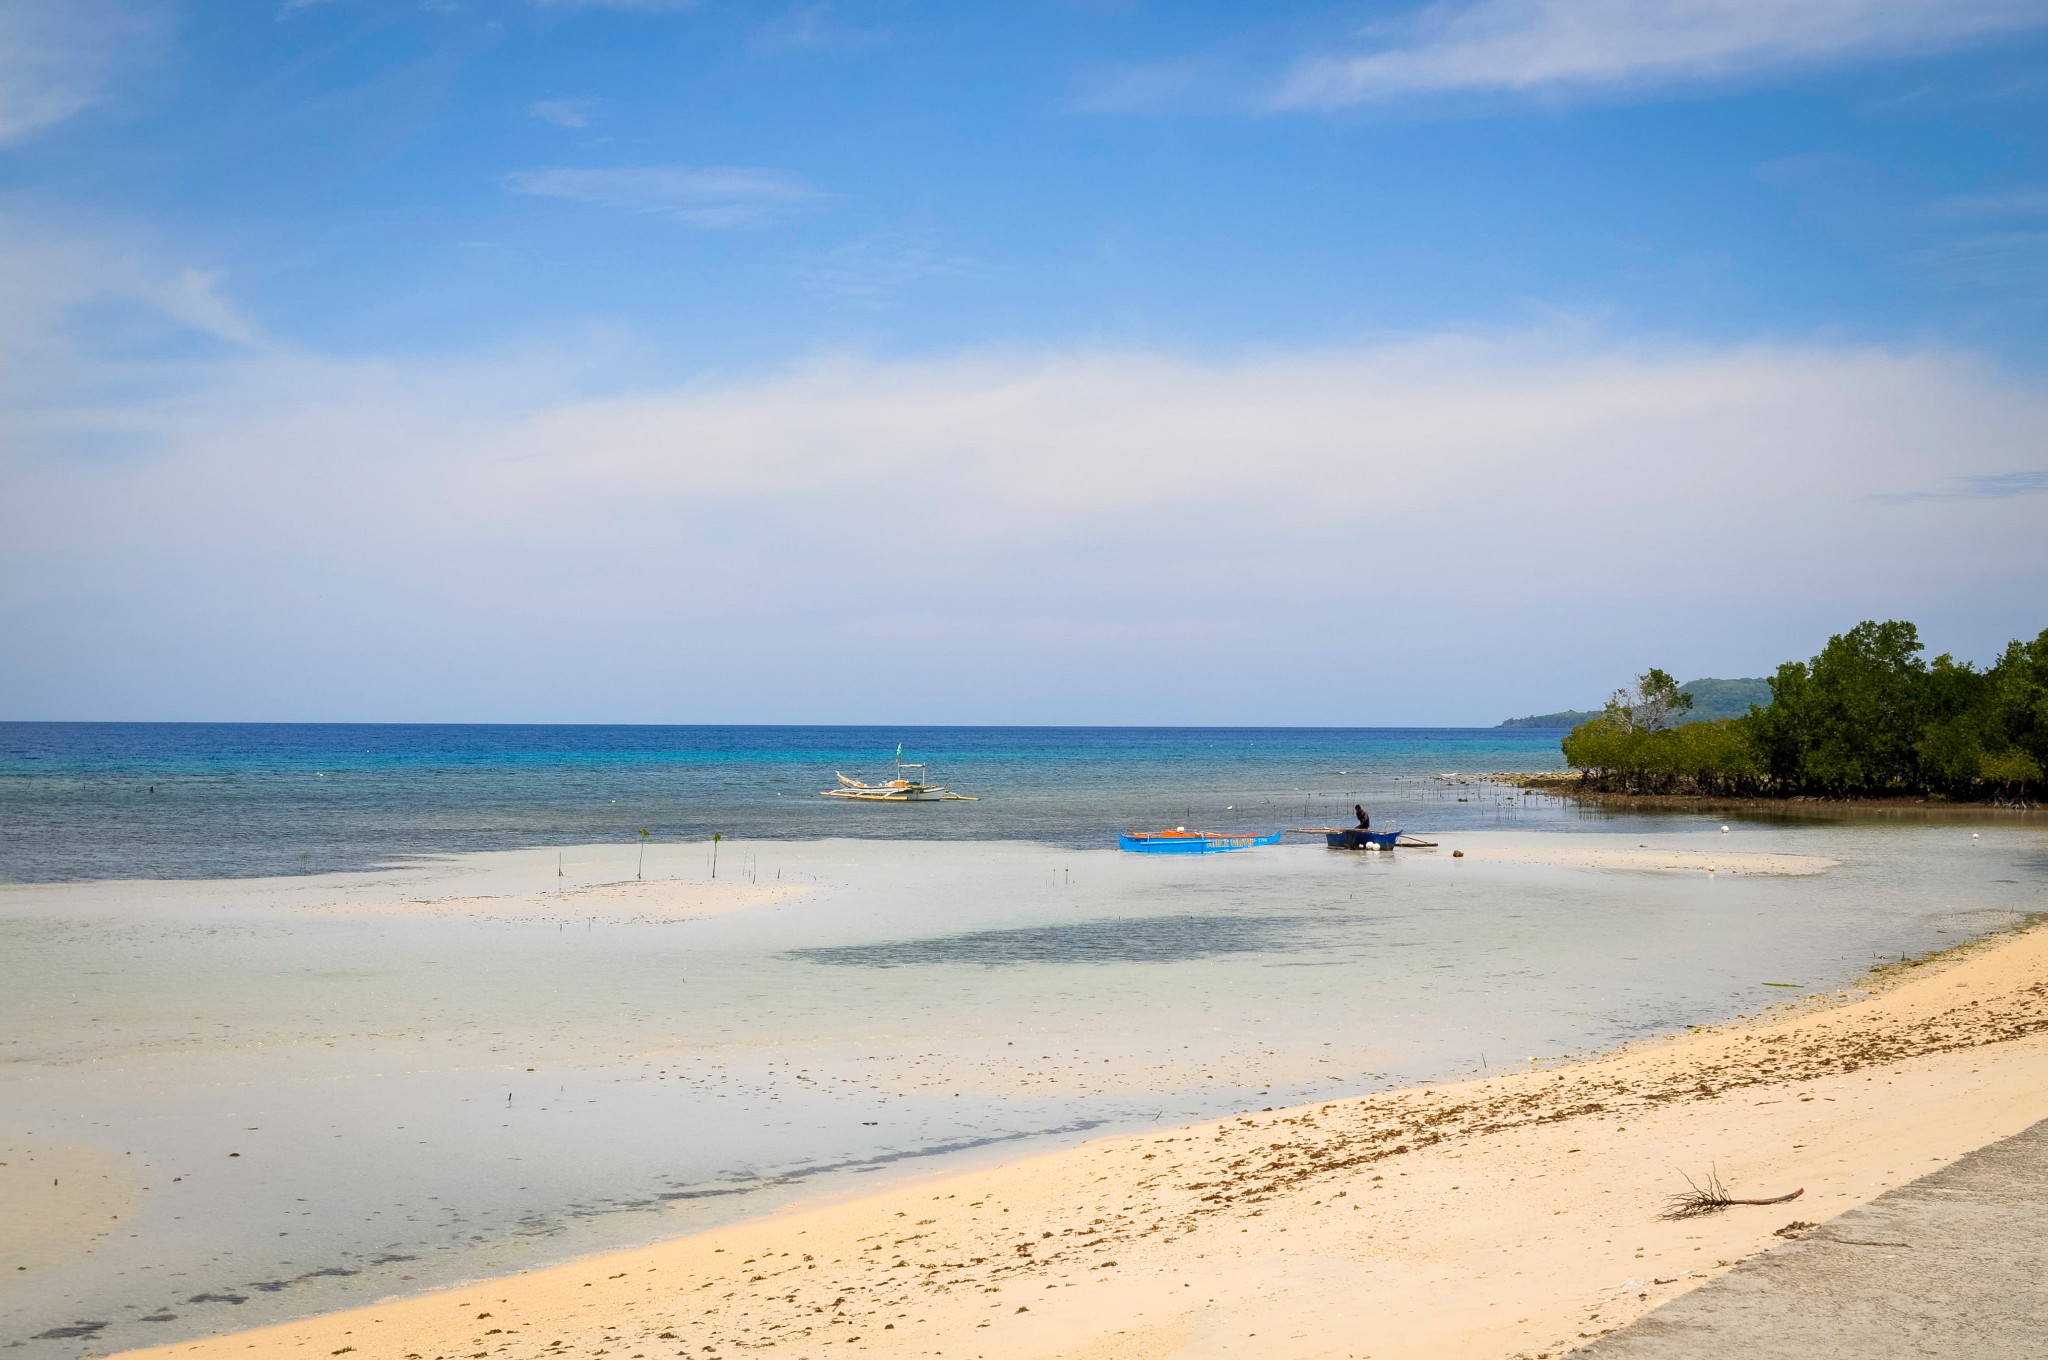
(1710, 699)
(1726, 698)
(1868, 716)
(1714, 757)
(1653, 705)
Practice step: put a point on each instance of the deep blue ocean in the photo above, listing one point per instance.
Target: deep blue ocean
(211, 800)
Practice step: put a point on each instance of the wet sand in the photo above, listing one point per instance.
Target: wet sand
(62, 1198)
(1512, 1216)
(1649, 858)
(634, 902)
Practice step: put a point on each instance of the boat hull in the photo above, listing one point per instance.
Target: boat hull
(896, 790)
(900, 795)
(1191, 843)
(1362, 840)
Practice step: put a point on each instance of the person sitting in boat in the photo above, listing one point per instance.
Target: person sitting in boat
(1364, 818)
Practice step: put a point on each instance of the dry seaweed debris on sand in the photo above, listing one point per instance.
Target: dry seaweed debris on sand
(1699, 1200)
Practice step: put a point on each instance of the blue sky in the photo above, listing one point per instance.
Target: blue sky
(1070, 353)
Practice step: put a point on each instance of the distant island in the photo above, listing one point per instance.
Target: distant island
(1563, 719)
(1711, 700)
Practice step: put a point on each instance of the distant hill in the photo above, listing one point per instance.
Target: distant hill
(1710, 699)
(1725, 698)
(1566, 720)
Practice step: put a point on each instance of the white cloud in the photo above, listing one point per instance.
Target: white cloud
(709, 197)
(1035, 447)
(1541, 45)
(57, 59)
(1394, 532)
(568, 113)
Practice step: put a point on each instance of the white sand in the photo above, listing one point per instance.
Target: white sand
(1515, 1216)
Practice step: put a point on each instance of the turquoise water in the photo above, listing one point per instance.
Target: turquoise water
(206, 800)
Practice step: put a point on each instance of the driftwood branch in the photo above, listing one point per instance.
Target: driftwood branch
(1711, 1198)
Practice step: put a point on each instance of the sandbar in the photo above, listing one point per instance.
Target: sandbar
(61, 1198)
(656, 902)
(1513, 1216)
(1650, 858)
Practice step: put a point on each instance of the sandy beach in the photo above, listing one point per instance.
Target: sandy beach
(1513, 1216)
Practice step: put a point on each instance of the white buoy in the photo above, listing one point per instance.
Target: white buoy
(1724, 830)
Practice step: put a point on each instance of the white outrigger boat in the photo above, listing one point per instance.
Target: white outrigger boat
(908, 786)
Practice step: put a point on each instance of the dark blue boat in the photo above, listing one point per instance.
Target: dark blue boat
(1362, 840)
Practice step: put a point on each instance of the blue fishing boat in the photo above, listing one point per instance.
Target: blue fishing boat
(1181, 841)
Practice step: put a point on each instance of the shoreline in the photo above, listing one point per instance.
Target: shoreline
(1512, 1215)
(1571, 784)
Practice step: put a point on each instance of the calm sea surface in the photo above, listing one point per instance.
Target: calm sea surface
(219, 800)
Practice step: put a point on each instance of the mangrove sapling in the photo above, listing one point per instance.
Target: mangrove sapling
(1699, 1200)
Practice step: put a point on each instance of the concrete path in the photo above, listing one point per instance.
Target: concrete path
(1954, 1264)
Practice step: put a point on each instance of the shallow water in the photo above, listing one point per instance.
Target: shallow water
(417, 1099)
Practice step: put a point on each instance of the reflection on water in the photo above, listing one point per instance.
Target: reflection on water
(1144, 939)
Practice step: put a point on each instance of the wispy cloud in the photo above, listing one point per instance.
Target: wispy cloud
(568, 113)
(58, 59)
(872, 269)
(1993, 242)
(712, 198)
(1999, 485)
(2011, 265)
(1142, 87)
(2010, 203)
(647, 6)
(1558, 45)
(1990, 486)
(812, 28)
(59, 286)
